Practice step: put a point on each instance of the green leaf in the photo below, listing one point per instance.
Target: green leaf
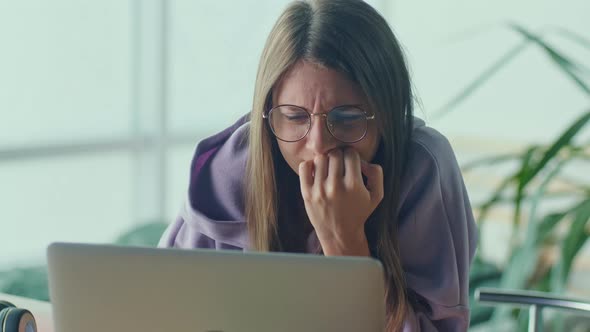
(521, 181)
(574, 37)
(533, 235)
(560, 60)
(146, 235)
(550, 195)
(547, 224)
(490, 161)
(577, 38)
(506, 199)
(482, 270)
(576, 237)
(562, 142)
(566, 65)
(571, 244)
(28, 282)
(524, 258)
(495, 197)
(484, 208)
(527, 171)
(520, 267)
(516, 273)
(481, 274)
(482, 78)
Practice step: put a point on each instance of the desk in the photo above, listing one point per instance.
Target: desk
(41, 310)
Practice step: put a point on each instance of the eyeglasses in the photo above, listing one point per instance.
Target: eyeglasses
(290, 123)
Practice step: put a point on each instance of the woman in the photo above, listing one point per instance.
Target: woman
(331, 160)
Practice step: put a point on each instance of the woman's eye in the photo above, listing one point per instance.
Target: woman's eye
(295, 117)
(346, 118)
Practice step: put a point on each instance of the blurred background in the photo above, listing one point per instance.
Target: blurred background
(102, 103)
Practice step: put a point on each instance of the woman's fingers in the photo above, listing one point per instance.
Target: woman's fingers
(305, 177)
(374, 174)
(335, 165)
(320, 169)
(327, 173)
(352, 166)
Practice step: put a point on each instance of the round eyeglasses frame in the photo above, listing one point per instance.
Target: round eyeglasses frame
(266, 115)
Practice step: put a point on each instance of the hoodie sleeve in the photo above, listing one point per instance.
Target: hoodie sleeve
(178, 235)
(188, 229)
(192, 229)
(212, 214)
(437, 236)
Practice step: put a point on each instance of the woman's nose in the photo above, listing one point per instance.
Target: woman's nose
(319, 139)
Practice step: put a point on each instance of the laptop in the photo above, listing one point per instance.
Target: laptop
(97, 288)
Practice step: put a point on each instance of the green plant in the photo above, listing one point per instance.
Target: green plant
(145, 235)
(540, 166)
(31, 281)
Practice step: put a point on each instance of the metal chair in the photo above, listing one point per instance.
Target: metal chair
(536, 301)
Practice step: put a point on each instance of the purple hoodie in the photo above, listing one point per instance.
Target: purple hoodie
(436, 232)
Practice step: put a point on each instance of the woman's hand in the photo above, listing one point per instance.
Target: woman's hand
(337, 201)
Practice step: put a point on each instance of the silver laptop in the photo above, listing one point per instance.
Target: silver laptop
(97, 288)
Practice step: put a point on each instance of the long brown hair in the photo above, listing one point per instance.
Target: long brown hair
(351, 37)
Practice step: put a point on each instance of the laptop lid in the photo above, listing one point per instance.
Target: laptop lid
(97, 288)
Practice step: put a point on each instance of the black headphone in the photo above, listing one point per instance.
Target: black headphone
(13, 319)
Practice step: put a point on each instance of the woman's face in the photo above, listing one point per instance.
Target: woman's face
(319, 90)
